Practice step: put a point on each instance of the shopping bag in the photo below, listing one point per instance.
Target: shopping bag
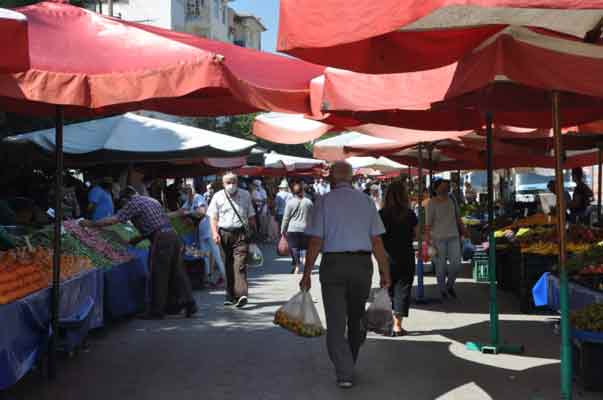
(255, 257)
(282, 248)
(379, 316)
(426, 252)
(299, 315)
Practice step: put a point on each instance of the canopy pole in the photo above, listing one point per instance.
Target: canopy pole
(458, 185)
(56, 262)
(420, 265)
(430, 155)
(494, 347)
(599, 179)
(566, 347)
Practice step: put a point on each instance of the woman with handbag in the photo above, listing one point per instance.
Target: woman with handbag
(444, 229)
(400, 229)
(295, 220)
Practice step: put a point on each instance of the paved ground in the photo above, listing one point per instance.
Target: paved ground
(240, 354)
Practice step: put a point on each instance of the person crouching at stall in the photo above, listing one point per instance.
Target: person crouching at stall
(170, 288)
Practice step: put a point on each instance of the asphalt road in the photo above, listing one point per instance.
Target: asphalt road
(226, 353)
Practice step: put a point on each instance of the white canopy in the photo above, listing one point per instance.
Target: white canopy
(334, 149)
(290, 163)
(132, 137)
(382, 165)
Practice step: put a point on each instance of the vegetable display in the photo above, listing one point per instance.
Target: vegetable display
(92, 238)
(589, 318)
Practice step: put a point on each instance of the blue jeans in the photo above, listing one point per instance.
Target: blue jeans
(448, 250)
(207, 244)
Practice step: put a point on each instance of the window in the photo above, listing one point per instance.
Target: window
(217, 7)
(193, 7)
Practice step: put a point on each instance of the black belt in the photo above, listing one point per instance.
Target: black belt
(349, 253)
(232, 230)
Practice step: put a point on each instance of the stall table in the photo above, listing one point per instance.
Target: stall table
(546, 293)
(26, 322)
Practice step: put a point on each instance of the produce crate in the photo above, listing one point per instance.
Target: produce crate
(587, 365)
(481, 266)
(533, 266)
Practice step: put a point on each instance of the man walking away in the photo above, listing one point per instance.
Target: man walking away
(347, 229)
(232, 221)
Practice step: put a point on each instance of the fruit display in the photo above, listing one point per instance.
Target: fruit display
(24, 271)
(544, 239)
(92, 238)
(589, 318)
(297, 326)
(533, 220)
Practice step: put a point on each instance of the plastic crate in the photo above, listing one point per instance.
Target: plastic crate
(532, 268)
(481, 266)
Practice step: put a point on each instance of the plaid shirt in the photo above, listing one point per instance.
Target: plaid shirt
(146, 214)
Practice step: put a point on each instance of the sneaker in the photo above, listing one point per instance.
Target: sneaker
(242, 301)
(452, 293)
(229, 302)
(345, 384)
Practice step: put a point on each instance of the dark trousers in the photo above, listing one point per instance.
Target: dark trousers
(346, 285)
(297, 242)
(403, 275)
(169, 283)
(234, 250)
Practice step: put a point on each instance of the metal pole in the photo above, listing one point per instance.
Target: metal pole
(600, 177)
(458, 185)
(494, 329)
(566, 348)
(110, 7)
(430, 155)
(420, 270)
(56, 263)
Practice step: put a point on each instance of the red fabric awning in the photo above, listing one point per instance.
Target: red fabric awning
(13, 42)
(93, 64)
(408, 35)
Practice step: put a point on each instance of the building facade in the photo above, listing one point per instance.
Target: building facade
(212, 19)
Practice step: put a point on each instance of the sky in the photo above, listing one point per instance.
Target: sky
(267, 10)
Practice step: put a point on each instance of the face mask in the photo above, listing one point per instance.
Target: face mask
(230, 188)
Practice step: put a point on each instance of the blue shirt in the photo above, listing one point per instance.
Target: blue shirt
(346, 220)
(281, 201)
(103, 203)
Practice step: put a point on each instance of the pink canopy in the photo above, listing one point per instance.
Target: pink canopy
(92, 64)
(13, 41)
(409, 35)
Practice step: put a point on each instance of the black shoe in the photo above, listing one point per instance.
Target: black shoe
(229, 302)
(452, 293)
(191, 309)
(242, 301)
(444, 295)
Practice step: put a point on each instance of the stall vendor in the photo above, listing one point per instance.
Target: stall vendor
(100, 200)
(168, 278)
(579, 206)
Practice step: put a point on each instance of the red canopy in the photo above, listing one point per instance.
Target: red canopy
(13, 41)
(408, 35)
(94, 64)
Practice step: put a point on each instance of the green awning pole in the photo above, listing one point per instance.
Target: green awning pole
(494, 347)
(566, 346)
(494, 328)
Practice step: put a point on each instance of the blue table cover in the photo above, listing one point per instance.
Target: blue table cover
(25, 323)
(126, 286)
(546, 293)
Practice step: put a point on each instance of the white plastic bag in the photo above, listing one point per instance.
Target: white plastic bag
(255, 257)
(379, 316)
(299, 315)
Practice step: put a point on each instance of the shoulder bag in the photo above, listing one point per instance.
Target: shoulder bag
(246, 230)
